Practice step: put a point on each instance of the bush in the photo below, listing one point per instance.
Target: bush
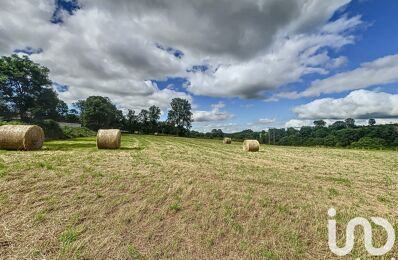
(369, 143)
(74, 132)
(51, 129)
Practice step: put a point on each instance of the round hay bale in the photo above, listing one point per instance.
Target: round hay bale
(21, 137)
(227, 140)
(109, 138)
(251, 146)
(155, 133)
(136, 132)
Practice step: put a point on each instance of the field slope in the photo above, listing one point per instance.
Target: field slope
(167, 197)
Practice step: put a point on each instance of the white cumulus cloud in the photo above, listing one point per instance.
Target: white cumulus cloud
(113, 48)
(378, 72)
(358, 104)
(214, 115)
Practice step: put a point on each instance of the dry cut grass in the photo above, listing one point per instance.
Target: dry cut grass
(164, 197)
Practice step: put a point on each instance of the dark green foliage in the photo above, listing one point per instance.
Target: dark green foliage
(319, 123)
(51, 129)
(346, 136)
(217, 133)
(153, 116)
(99, 113)
(131, 122)
(75, 132)
(336, 135)
(72, 118)
(180, 115)
(350, 122)
(369, 143)
(372, 121)
(143, 119)
(338, 125)
(330, 140)
(26, 90)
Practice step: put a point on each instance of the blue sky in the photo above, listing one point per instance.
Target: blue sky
(245, 64)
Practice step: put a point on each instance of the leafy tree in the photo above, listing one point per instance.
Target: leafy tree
(99, 112)
(319, 123)
(346, 136)
(154, 116)
(72, 118)
(350, 122)
(217, 133)
(5, 112)
(338, 125)
(291, 131)
(372, 122)
(143, 119)
(131, 121)
(306, 131)
(321, 132)
(369, 143)
(26, 88)
(180, 115)
(62, 110)
(79, 105)
(263, 137)
(330, 140)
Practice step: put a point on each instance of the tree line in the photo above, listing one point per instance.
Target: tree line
(339, 134)
(27, 94)
(98, 112)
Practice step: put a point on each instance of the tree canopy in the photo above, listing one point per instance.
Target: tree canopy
(180, 114)
(26, 90)
(99, 113)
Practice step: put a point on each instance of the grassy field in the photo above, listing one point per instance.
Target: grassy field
(166, 197)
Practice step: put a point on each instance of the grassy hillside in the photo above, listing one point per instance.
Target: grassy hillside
(162, 197)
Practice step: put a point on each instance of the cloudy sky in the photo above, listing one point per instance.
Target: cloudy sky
(242, 63)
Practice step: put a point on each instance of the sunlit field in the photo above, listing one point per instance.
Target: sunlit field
(168, 197)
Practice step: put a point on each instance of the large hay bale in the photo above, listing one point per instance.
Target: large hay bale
(109, 138)
(251, 146)
(136, 132)
(21, 137)
(227, 140)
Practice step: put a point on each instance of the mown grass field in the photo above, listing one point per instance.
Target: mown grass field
(167, 197)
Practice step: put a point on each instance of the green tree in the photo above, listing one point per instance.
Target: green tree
(369, 143)
(99, 113)
(5, 112)
(180, 115)
(319, 123)
(372, 122)
(131, 121)
(143, 119)
(27, 89)
(338, 125)
(306, 131)
(62, 110)
(350, 122)
(154, 116)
